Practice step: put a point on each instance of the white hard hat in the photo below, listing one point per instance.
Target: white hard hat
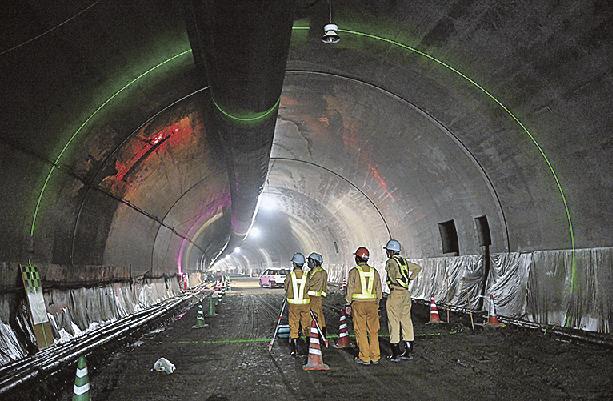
(298, 258)
(316, 257)
(393, 245)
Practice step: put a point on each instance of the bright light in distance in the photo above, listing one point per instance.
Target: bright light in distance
(237, 250)
(254, 232)
(268, 203)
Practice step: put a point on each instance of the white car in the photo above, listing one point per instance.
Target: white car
(273, 277)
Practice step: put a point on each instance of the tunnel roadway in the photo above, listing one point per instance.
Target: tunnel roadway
(228, 360)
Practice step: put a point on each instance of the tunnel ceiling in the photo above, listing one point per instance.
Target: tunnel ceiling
(423, 112)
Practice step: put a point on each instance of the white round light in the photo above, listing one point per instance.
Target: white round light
(268, 203)
(255, 232)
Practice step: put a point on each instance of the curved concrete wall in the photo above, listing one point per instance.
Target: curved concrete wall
(403, 119)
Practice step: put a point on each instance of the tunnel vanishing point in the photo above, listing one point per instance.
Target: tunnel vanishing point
(145, 144)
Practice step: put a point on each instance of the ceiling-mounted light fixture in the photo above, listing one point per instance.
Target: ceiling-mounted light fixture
(330, 30)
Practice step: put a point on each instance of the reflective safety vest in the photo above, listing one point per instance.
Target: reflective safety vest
(317, 293)
(298, 285)
(404, 279)
(367, 286)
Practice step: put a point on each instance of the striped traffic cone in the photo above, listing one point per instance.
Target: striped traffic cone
(219, 296)
(315, 360)
(200, 318)
(81, 382)
(492, 319)
(344, 285)
(343, 332)
(434, 318)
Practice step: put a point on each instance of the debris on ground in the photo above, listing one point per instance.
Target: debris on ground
(164, 365)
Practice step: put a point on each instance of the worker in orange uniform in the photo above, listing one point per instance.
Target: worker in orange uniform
(318, 285)
(296, 284)
(363, 296)
(400, 272)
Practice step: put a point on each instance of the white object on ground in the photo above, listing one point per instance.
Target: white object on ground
(164, 365)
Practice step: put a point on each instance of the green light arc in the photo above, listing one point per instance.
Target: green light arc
(264, 114)
(84, 123)
(247, 117)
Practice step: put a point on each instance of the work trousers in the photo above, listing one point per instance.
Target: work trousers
(365, 316)
(299, 314)
(317, 306)
(398, 307)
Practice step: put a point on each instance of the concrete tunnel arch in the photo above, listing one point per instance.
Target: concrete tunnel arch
(505, 98)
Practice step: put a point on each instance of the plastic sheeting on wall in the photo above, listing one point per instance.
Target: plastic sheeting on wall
(507, 282)
(72, 312)
(583, 300)
(536, 286)
(456, 281)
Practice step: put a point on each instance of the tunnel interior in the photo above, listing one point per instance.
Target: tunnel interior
(157, 139)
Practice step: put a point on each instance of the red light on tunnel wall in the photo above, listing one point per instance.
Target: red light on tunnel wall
(374, 172)
(157, 138)
(142, 146)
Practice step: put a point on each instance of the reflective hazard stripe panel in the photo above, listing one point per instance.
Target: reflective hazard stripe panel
(298, 285)
(367, 280)
(317, 293)
(80, 390)
(402, 281)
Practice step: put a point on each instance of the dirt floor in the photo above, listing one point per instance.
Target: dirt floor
(227, 361)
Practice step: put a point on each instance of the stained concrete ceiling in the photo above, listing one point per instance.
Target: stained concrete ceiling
(114, 151)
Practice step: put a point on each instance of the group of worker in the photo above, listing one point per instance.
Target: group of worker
(305, 293)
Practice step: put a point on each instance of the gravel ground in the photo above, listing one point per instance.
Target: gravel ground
(229, 361)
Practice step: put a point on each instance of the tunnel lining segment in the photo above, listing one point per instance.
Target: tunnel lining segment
(85, 123)
(112, 153)
(442, 127)
(48, 31)
(342, 178)
(487, 93)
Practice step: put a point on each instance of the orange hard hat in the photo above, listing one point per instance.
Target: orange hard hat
(362, 253)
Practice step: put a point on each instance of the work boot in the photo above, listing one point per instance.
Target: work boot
(408, 349)
(395, 357)
(361, 362)
(292, 346)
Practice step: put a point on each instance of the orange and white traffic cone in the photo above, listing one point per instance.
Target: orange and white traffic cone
(344, 285)
(343, 332)
(315, 360)
(492, 319)
(434, 318)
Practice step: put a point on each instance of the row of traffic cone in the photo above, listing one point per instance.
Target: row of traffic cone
(214, 300)
(492, 318)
